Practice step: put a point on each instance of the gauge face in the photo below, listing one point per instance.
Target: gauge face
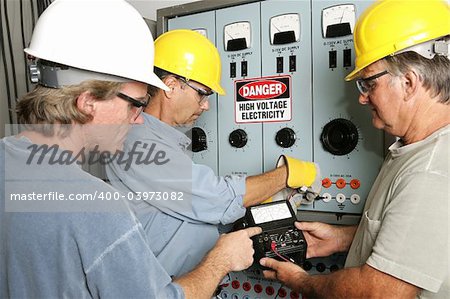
(237, 36)
(202, 31)
(338, 20)
(284, 29)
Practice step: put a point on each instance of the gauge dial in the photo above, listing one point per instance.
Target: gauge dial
(285, 29)
(338, 20)
(237, 36)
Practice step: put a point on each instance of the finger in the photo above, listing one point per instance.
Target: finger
(307, 226)
(269, 274)
(252, 231)
(269, 262)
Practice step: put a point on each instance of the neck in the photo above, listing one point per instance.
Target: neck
(74, 141)
(429, 117)
(157, 109)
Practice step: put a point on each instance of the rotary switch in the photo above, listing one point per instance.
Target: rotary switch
(285, 137)
(339, 137)
(199, 141)
(238, 138)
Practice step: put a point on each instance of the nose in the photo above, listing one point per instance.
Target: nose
(363, 99)
(205, 105)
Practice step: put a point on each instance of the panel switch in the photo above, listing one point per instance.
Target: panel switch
(292, 63)
(332, 59)
(244, 70)
(279, 65)
(232, 69)
(347, 57)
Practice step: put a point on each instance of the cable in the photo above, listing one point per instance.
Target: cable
(273, 247)
(8, 88)
(22, 29)
(13, 68)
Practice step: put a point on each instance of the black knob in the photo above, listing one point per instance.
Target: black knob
(339, 136)
(199, 141)
(307, 265)
(285, 137)
(238, 138)
(321, 267)
(334, 268)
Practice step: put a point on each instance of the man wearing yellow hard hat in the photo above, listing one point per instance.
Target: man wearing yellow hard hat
(401, 247)
(192, 199)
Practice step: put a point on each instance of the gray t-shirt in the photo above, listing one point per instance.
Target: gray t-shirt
(404, 230)
(54, 248)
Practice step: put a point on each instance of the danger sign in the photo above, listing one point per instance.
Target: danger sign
(265, 99)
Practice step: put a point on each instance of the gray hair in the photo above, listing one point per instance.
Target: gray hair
(434, 73)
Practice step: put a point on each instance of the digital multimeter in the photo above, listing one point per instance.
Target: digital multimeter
(280, 239)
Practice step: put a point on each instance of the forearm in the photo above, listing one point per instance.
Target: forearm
(263, 186)
(340, 284)
(359, 282)
(345, 237)
(203, 280)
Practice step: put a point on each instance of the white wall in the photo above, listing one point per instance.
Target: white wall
(148, 8)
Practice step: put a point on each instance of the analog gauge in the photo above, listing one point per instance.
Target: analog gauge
(202, 31)
(237, 36)
(284, 29)
(338, 20)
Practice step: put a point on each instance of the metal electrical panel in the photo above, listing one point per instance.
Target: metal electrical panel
(286, 52)
(204, 133)
(239, 45)
(283, 69)
(347, 147)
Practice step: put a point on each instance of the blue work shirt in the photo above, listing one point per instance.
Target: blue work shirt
(182, 228)
(69, 248)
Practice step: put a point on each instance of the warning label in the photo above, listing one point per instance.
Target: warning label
(265, 99)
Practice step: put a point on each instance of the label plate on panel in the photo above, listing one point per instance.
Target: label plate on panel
(266, 99)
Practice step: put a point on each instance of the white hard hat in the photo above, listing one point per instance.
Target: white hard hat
(97, 39)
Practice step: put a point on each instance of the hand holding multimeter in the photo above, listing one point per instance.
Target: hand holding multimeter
(280, 239)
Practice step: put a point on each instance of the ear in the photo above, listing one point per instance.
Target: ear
(411, 83)
(172, 83)
(86, 103)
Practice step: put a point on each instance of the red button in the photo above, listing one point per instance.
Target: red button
(340, 183)
(326, 183)
(246, 286)
(355, 184)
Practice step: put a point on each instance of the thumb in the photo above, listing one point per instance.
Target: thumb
(269, 263)
(306, 226)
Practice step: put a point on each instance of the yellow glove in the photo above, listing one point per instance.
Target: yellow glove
(300, 173)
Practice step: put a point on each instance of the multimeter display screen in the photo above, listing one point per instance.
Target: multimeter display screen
(262, 214)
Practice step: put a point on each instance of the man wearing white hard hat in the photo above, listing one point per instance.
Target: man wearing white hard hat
(401, 247)
(63, 232)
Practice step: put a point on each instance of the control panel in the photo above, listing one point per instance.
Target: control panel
(283, 69)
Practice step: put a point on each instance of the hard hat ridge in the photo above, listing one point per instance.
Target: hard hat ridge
(390, 27)
(104, 37)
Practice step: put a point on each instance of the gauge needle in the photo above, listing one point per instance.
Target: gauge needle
(276, 28)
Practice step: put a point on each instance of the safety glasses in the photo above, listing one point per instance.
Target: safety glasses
(204, 94)
(365, 85)
(138, 104)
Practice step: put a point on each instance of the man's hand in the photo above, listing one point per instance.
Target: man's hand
(288, 273)
(325, 239)
(236, 248)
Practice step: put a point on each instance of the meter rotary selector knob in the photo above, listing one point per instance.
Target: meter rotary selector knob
(339, 137)
(285, 137)
(199, 141)
(238, 138)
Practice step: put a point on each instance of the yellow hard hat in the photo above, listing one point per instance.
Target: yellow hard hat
(389, 26)
(190, 55)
